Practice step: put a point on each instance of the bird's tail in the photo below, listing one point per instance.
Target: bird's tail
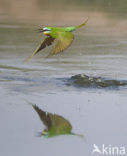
(83, 24)
(80, 135)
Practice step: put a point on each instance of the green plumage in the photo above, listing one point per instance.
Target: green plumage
(61, 37)
(55, 124)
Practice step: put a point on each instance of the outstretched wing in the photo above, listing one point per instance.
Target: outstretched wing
(56, 122)
(62, 41)
(47, 42)
(43, 116)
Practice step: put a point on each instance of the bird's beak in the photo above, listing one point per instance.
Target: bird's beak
(40, 30)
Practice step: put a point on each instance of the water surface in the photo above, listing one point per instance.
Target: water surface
(98, 50)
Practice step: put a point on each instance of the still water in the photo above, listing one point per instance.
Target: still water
(100, 50)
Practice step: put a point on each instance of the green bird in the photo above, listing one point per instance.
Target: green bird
(61, 37)
(55, 124)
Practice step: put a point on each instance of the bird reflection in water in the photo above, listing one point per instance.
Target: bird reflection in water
(55, 124)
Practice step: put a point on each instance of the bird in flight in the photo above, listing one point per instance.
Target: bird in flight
(62, 37)
(55, 124)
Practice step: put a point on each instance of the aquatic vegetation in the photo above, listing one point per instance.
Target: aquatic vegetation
(83, 80)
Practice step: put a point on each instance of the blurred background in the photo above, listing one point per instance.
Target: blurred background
(99, 49)
(64, 11)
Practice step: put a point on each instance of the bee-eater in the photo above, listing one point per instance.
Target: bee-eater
(60, 36)
(55, 124)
